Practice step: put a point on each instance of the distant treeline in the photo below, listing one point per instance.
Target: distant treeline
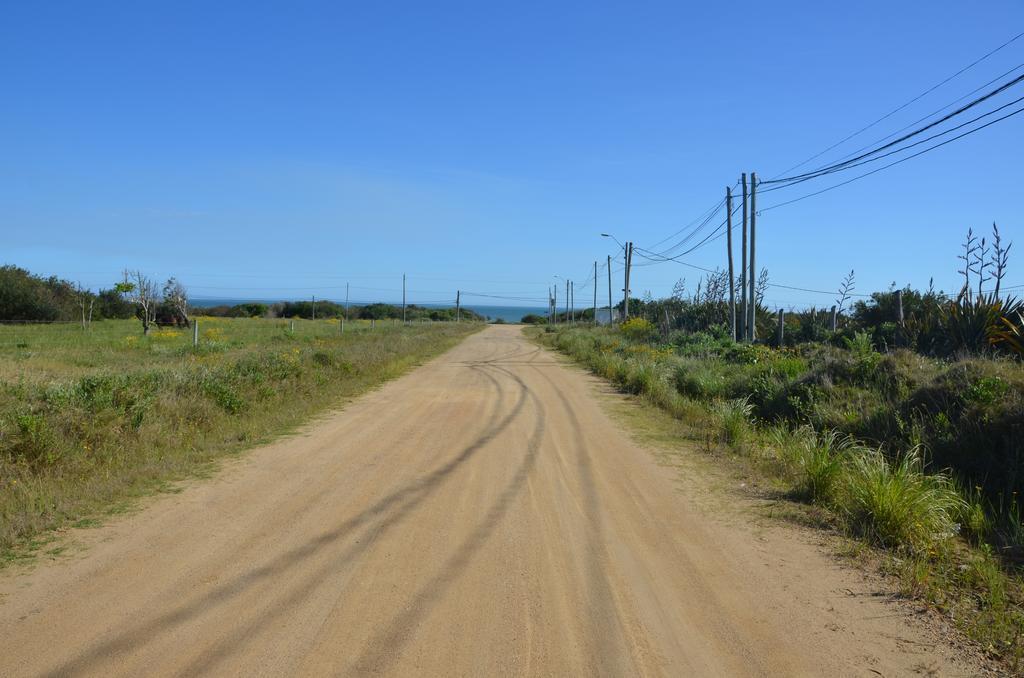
(25, 297)
(33, 298)
(330, 309)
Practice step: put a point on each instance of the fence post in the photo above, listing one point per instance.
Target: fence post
(782, 326)
(834, 318)
(899, 307)
(291, 326)
(343, 324)
(373, 323)
(195, 333)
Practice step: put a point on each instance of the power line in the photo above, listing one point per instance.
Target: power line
(896, 162)
(842, 165)
(904, 148)
(903, 106)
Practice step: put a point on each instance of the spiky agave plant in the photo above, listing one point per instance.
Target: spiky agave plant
(1009, 335)
(980, 323)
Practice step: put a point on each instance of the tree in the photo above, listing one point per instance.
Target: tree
(176, 297)
(141, 291)
(85, 299)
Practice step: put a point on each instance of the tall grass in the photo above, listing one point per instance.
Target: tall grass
(820, 462)
(896, 504)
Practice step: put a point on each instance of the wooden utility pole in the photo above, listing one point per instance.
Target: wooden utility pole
(625, 291)
(834, 324)
(566, 301)
(403, 298)
(572, 302)
(752, 314)
(609, 290)
(782, 326)
(458, 305)
(554, 304)
(732, 279)
(595, 293)
(346, 301)
(743, 265)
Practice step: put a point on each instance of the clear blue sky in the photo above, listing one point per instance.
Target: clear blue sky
(281, 149)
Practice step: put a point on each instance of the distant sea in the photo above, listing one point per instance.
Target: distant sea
(510, 314)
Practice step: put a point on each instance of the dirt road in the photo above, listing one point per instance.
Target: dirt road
(481, 516)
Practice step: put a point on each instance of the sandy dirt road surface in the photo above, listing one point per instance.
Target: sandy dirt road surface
(480, 516)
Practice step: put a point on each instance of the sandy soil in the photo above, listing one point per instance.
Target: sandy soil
(481, 516)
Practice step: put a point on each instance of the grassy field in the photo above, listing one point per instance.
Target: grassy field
(909, 455)
(90, 419)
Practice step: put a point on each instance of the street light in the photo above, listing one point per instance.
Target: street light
(609, 235)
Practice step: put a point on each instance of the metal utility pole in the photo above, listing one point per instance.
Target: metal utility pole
(403, 298)
(732, 280)
(753, 266)
(629, 262)
(609, 289)
(743, 265)
(595, 293)
(458, 305)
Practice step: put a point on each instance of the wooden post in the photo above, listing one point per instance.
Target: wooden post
(743, 265)
(732, 279)
(900, 334)
(343, 324)
(782, 326)
(752, 320)
(458, 306)
(291, 326)
(835, 318)
(195, 333)
(373, 323)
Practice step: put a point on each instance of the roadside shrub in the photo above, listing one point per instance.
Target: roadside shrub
(819, 464)
(641, 376)
(700, 379)
(896, 504)
(34, 442)
(224, 395)
(639, 330)
(734, 418)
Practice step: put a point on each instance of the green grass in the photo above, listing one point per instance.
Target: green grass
(91, 419)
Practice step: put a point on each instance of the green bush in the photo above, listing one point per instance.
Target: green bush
(896, 504)
(819, 464)
(734, 418)
(639, 330)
